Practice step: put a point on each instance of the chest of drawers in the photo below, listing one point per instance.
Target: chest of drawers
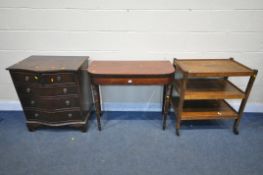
(53, 90)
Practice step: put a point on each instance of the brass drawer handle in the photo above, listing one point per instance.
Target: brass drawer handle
(28, 90)
(65, 90)
(67, 102)
(219, 113)
(52, 80)
(36, 77)
(129, 81)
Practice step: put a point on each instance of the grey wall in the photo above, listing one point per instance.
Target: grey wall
(132, 29)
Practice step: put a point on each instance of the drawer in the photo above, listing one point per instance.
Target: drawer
(32, 115)
(51, 78)
(54, 117)
(43, 78)
(47, 91)
(25, 77)
(132, 80)
(51, 103)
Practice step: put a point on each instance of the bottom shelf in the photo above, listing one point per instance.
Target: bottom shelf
(205, 109)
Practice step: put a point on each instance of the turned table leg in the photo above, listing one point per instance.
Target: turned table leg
(181, 104)
(96, 97)
(166, 104)
(163, 102)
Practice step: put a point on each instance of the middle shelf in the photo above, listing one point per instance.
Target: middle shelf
(205, 109)
(212, 88)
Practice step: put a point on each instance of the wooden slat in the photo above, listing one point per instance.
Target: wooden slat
(206, 110)
(211, 89)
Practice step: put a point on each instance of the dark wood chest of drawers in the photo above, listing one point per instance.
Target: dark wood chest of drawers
(53, 90)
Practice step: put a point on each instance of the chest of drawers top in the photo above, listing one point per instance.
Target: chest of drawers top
(49, 63)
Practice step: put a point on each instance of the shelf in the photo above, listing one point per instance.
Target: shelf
(198, 89)
(213, 67)
(205, 109)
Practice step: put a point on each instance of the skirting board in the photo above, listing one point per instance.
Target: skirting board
(15, 106)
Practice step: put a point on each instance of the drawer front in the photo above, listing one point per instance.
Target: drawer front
(32, 115)
(43, 78)
(25, 77)
(56, 117)
(51, 78)
(133, 81)
(47, 91)
(51, 103)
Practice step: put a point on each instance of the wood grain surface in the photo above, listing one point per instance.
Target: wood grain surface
(213, 67)
(131, 68)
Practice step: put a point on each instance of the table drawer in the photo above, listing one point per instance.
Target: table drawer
(47, 91)
(132, 81)
(54, 117)
(51, 103)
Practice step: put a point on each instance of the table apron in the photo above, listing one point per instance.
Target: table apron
(132, 81)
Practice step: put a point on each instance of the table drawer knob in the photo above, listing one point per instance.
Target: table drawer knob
(26, 78)
(51, 80)
(219, 113)
(67, 102)
(36, 115)
(129, 81)
(65, 90)
(69, 115)
(32, 102)
(28, 90)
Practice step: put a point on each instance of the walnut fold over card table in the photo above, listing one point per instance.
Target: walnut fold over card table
(131, 73)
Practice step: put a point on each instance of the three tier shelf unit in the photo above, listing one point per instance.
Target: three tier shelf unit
(203, 87)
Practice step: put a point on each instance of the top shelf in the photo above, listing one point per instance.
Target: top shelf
(212, 67)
